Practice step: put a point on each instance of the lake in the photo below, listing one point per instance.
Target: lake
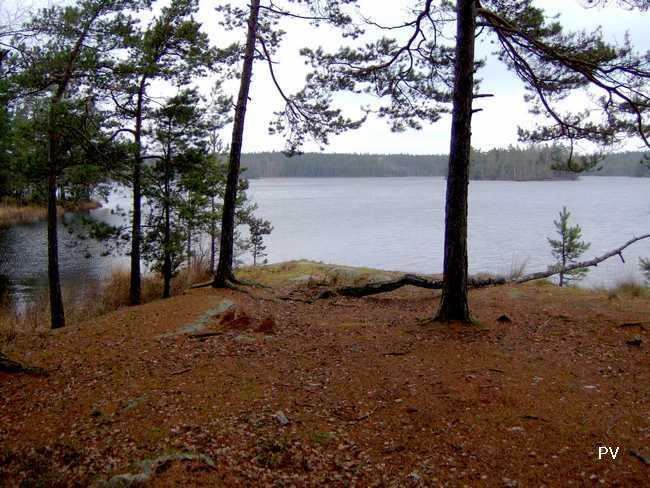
(392, 224)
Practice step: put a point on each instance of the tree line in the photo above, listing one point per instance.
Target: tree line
(511, 163)
(91, 73)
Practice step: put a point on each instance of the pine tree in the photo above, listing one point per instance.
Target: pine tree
(67, 50)
(258, 228)
(172, 48)
(568, 248)
(179, 131)
(308, 112)
(417, 76)
(644, 264)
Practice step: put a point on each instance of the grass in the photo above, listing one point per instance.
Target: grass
(629, 288)
(97, 298)
(311, 273)
(12, 214)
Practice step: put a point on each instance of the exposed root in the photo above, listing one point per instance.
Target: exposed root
(10, 366)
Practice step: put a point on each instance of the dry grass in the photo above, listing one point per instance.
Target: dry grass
(88, 300)
(12, 213)
(629, 288)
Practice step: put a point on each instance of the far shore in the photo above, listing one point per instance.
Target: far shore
(13, 213)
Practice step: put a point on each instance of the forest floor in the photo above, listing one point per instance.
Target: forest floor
(224, 388)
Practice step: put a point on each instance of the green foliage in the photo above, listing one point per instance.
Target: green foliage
(644, 264)
(520, 163)
(568, 248)
(179, 130)
(258, 228)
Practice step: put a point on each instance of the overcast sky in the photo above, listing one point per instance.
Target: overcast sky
(495, 126)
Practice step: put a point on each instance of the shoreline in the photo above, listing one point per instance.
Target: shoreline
(12, 213)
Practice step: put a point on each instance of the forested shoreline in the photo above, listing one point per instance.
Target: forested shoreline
(512, 163)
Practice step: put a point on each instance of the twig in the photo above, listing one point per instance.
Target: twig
(180, 371)
(204, 335)
(633, 324)
(639, 456)
(201, 285)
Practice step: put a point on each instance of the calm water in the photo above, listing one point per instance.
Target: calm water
(396, 224)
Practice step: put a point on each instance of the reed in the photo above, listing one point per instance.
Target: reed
(89, 299)
(629, 288)
(14, 213)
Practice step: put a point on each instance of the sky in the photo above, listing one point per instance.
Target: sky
(495, 126)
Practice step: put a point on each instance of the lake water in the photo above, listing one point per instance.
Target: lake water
(394, 224)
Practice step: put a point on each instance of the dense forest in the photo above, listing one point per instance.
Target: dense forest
(512, 163)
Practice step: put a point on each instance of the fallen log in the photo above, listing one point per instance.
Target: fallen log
(408, 279)
(424, 282)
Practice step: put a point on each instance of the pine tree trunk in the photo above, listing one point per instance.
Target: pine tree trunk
(57, 314)
(224, 269)
(454, 305)
(213, 236)
(189, 247)
(136, 229)
(167, 259)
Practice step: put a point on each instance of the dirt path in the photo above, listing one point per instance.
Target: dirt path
(342, 392)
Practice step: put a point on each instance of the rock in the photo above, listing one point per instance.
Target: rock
(508, 483)
(305, 280)
(504, 319)
(281, 418)
(224, 307)
(517, 429)
(267, 326)
(150, 467)
(411, 409)
(244, 339)
(414, 477)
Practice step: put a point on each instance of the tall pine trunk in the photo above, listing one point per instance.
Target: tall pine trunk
(454, 305)
(136, 225)
(57, 315)
(224, 272)
(167, 260)
(54, 279)
(213, 235)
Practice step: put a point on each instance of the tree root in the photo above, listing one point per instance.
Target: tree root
(10, 366)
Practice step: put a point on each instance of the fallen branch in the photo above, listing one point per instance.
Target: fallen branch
(204, 335)
(408, 279)
(423, 282)
(201, 285)
(180, 371)
(584, 264)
